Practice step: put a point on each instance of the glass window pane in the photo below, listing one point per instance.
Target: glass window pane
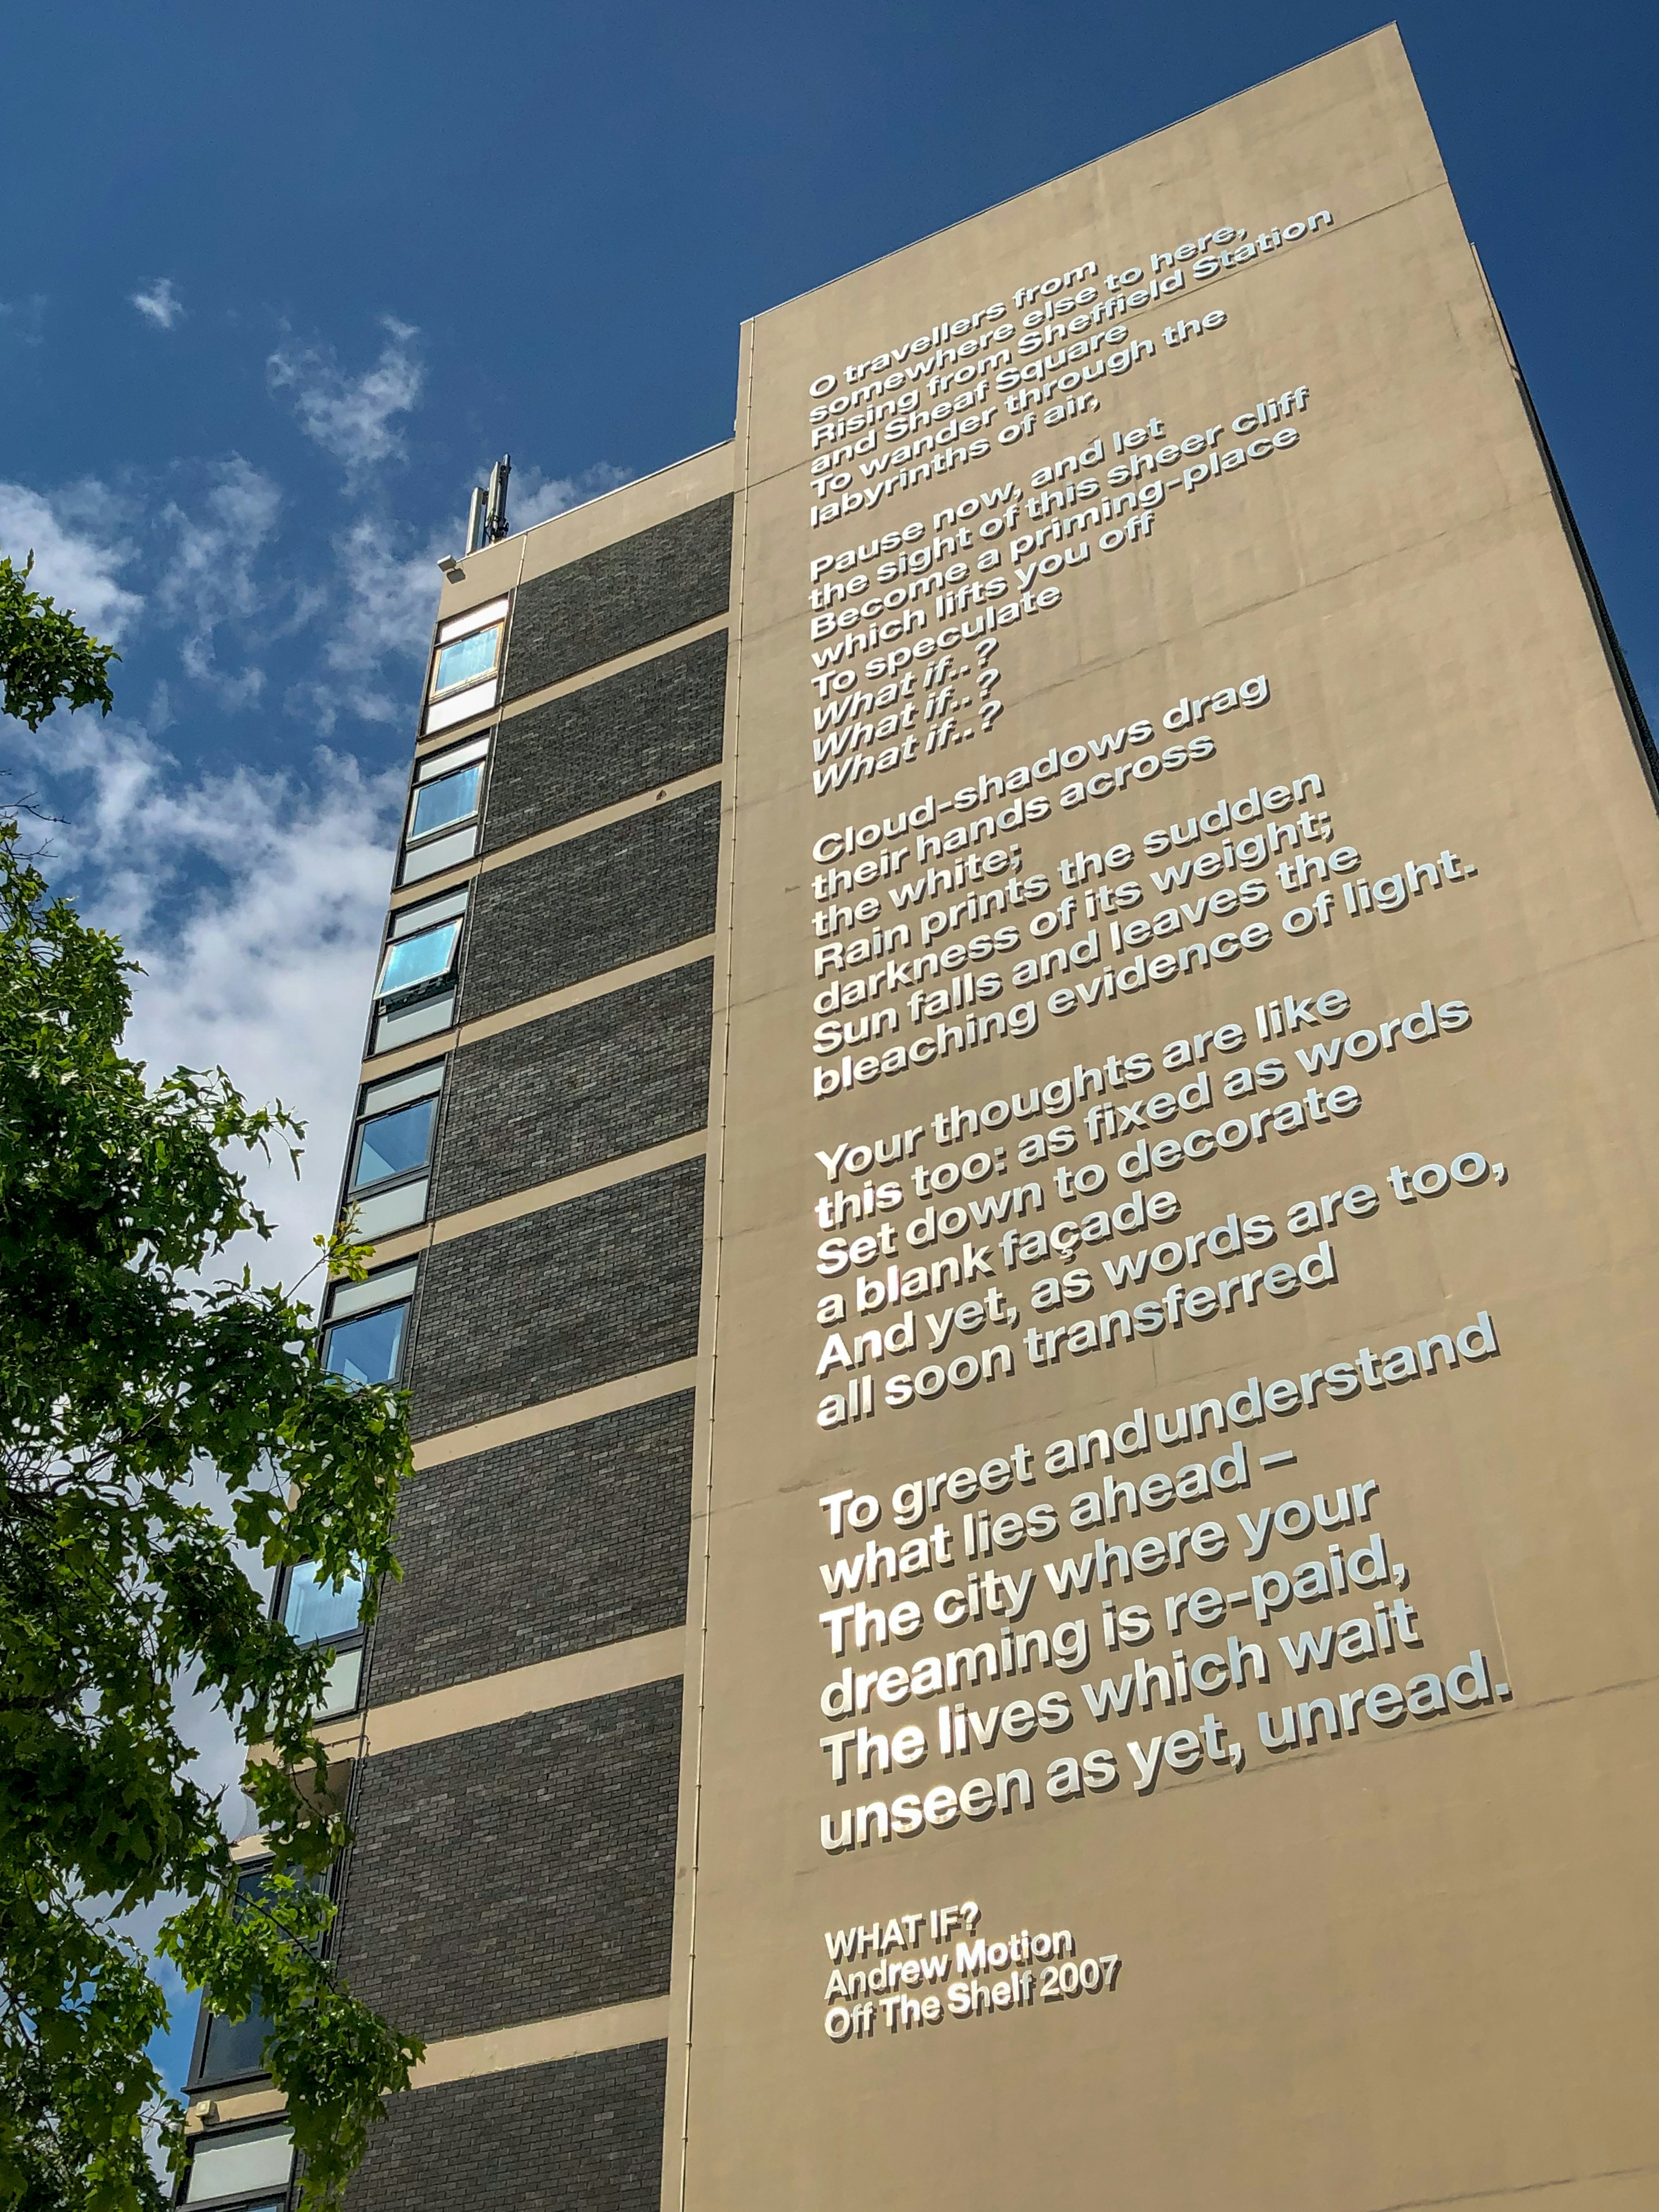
(467, 659)
(437, 764)
(420, 959)
(399, 1206)
(386, 1286)
(341, 1685)
(398, 1089)
(367, 1350)
(233, 2047)
(393, 1143)
(411, 919)
(450, 798)
(312, 1611)
(471, 619)
(251, 2159)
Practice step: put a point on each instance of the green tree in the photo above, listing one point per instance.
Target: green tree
(46, 657)
(125, 1374)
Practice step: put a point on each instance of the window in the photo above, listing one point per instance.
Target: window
(364, 1339)
(494, 610)
(465, 678)
(443, 813)
(387, 1179)
(239, 2162)
(391, 1144)
(233, 2050)
(369, 1350)
(416, 987)
(465, 661)
(445, 800)
(425, 958)
(313, 1612)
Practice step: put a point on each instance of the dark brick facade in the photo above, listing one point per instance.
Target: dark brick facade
(583, 2134)
(641, 885)
(573, 1090)
(553, 1544)
(517, 1872)
(621, 597)
(630, 733)
(559, 1300)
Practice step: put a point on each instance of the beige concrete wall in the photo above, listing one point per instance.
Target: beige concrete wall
(1412, 1965)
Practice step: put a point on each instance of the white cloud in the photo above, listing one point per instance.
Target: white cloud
(203, 545)
(25, 319)
(161, 305)
(210, 578)
(77, 559)
(388, 597)
(352, 417)
(253, 902)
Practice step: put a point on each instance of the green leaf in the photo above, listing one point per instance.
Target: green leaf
(46, 657)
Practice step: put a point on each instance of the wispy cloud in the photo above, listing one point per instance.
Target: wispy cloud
(380, 613)
(353, 417)
(80, 543)
(210, 577)
(24, 319)
(161, 305)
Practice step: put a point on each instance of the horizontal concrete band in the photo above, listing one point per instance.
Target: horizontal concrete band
(600, 1672)
(538, 2042)
(477, 724)
(558, 1412)
(531, 1010)
(539, 1196)
(465, 2057)
(564, 833)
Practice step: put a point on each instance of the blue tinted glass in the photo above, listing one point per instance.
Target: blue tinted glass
(392, 1144)
(313, 1612)
(367, 1351)
(467, 659)
(447, 799)
(418, 959)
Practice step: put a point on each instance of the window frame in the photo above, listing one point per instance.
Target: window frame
(449, 705)
(434, 1074)
(418, 920)
(359, 1186)
(443, 766)
(422, 987)
(454, 843)
(279, 2193)
(197, 2083)
(346, 1643)
(401, 1279)
(437, 692)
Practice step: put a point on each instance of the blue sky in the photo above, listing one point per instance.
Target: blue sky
(278, 285)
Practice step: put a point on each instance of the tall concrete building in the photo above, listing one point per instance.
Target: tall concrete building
(1007, 1124)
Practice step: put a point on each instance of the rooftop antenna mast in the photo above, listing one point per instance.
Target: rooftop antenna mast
(486, 513)
(495, 501)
